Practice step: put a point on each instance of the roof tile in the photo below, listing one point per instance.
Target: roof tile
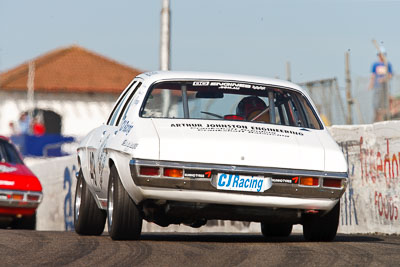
(71, 69)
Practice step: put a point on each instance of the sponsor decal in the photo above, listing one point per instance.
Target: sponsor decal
(8, 183)
(237, 128)
(126, 127)
(129, 144)
(197, 174)
(201, 83)
(294, 180)
(229, 85)
(258, 87)
(236, 182)
(4, 168)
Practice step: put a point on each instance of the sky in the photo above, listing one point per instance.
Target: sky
(246, 37)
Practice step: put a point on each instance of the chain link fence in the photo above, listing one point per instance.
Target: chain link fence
(363, 109)
(330, 99)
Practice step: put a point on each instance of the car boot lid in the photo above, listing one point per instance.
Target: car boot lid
(239, 143)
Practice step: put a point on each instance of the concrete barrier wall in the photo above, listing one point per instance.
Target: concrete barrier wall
(58, 181)
(371, 202)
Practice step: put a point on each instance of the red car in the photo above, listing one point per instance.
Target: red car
(20, 189)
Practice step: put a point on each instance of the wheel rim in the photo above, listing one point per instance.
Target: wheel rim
(110, 203)
(78, 198)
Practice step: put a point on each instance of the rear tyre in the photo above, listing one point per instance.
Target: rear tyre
(26, 222)
(321, 228)
(124, 218)
(89, 219)
(276, 230)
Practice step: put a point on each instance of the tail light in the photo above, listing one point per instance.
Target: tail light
(33, 197)
(332, 183)
(309, 181)
(311, 211)
(150, 171)
(17, 197)
(172, 172)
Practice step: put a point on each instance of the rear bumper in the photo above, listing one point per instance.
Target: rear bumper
(16, 212)
(15, 199)
(203, 190)
(239, 199)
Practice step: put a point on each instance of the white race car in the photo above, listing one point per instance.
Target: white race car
(187, 147)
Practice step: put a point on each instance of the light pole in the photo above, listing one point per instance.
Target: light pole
(165, 36)
(31, 88)
(349, 99)
(165, 52)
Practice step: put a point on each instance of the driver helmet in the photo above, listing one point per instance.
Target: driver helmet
(248, 105)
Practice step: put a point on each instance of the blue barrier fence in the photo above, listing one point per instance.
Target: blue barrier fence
(48, 145)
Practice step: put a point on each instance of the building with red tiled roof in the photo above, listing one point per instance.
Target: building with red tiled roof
(71, 69)
(79, 85)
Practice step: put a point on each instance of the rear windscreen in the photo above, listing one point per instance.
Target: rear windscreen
(8, 153)
(229, 100)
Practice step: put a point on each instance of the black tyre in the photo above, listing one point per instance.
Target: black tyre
(26, 222)
(5, 223)
(276, 230)
(89, 219)
(321, 228)
(124, 218)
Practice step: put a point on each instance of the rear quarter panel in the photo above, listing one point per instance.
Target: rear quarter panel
(334, 158)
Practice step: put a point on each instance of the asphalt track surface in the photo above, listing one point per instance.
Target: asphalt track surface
(36, 248)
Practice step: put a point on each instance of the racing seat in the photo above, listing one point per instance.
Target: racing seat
(262, 118)
(250, 108)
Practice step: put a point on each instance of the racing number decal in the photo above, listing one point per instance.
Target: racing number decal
(92, 168)
(97, 163)
(101, 160)
(68, 215)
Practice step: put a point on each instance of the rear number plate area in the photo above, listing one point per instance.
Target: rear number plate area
(236, 182)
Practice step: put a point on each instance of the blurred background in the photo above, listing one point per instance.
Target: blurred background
(63, 64)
